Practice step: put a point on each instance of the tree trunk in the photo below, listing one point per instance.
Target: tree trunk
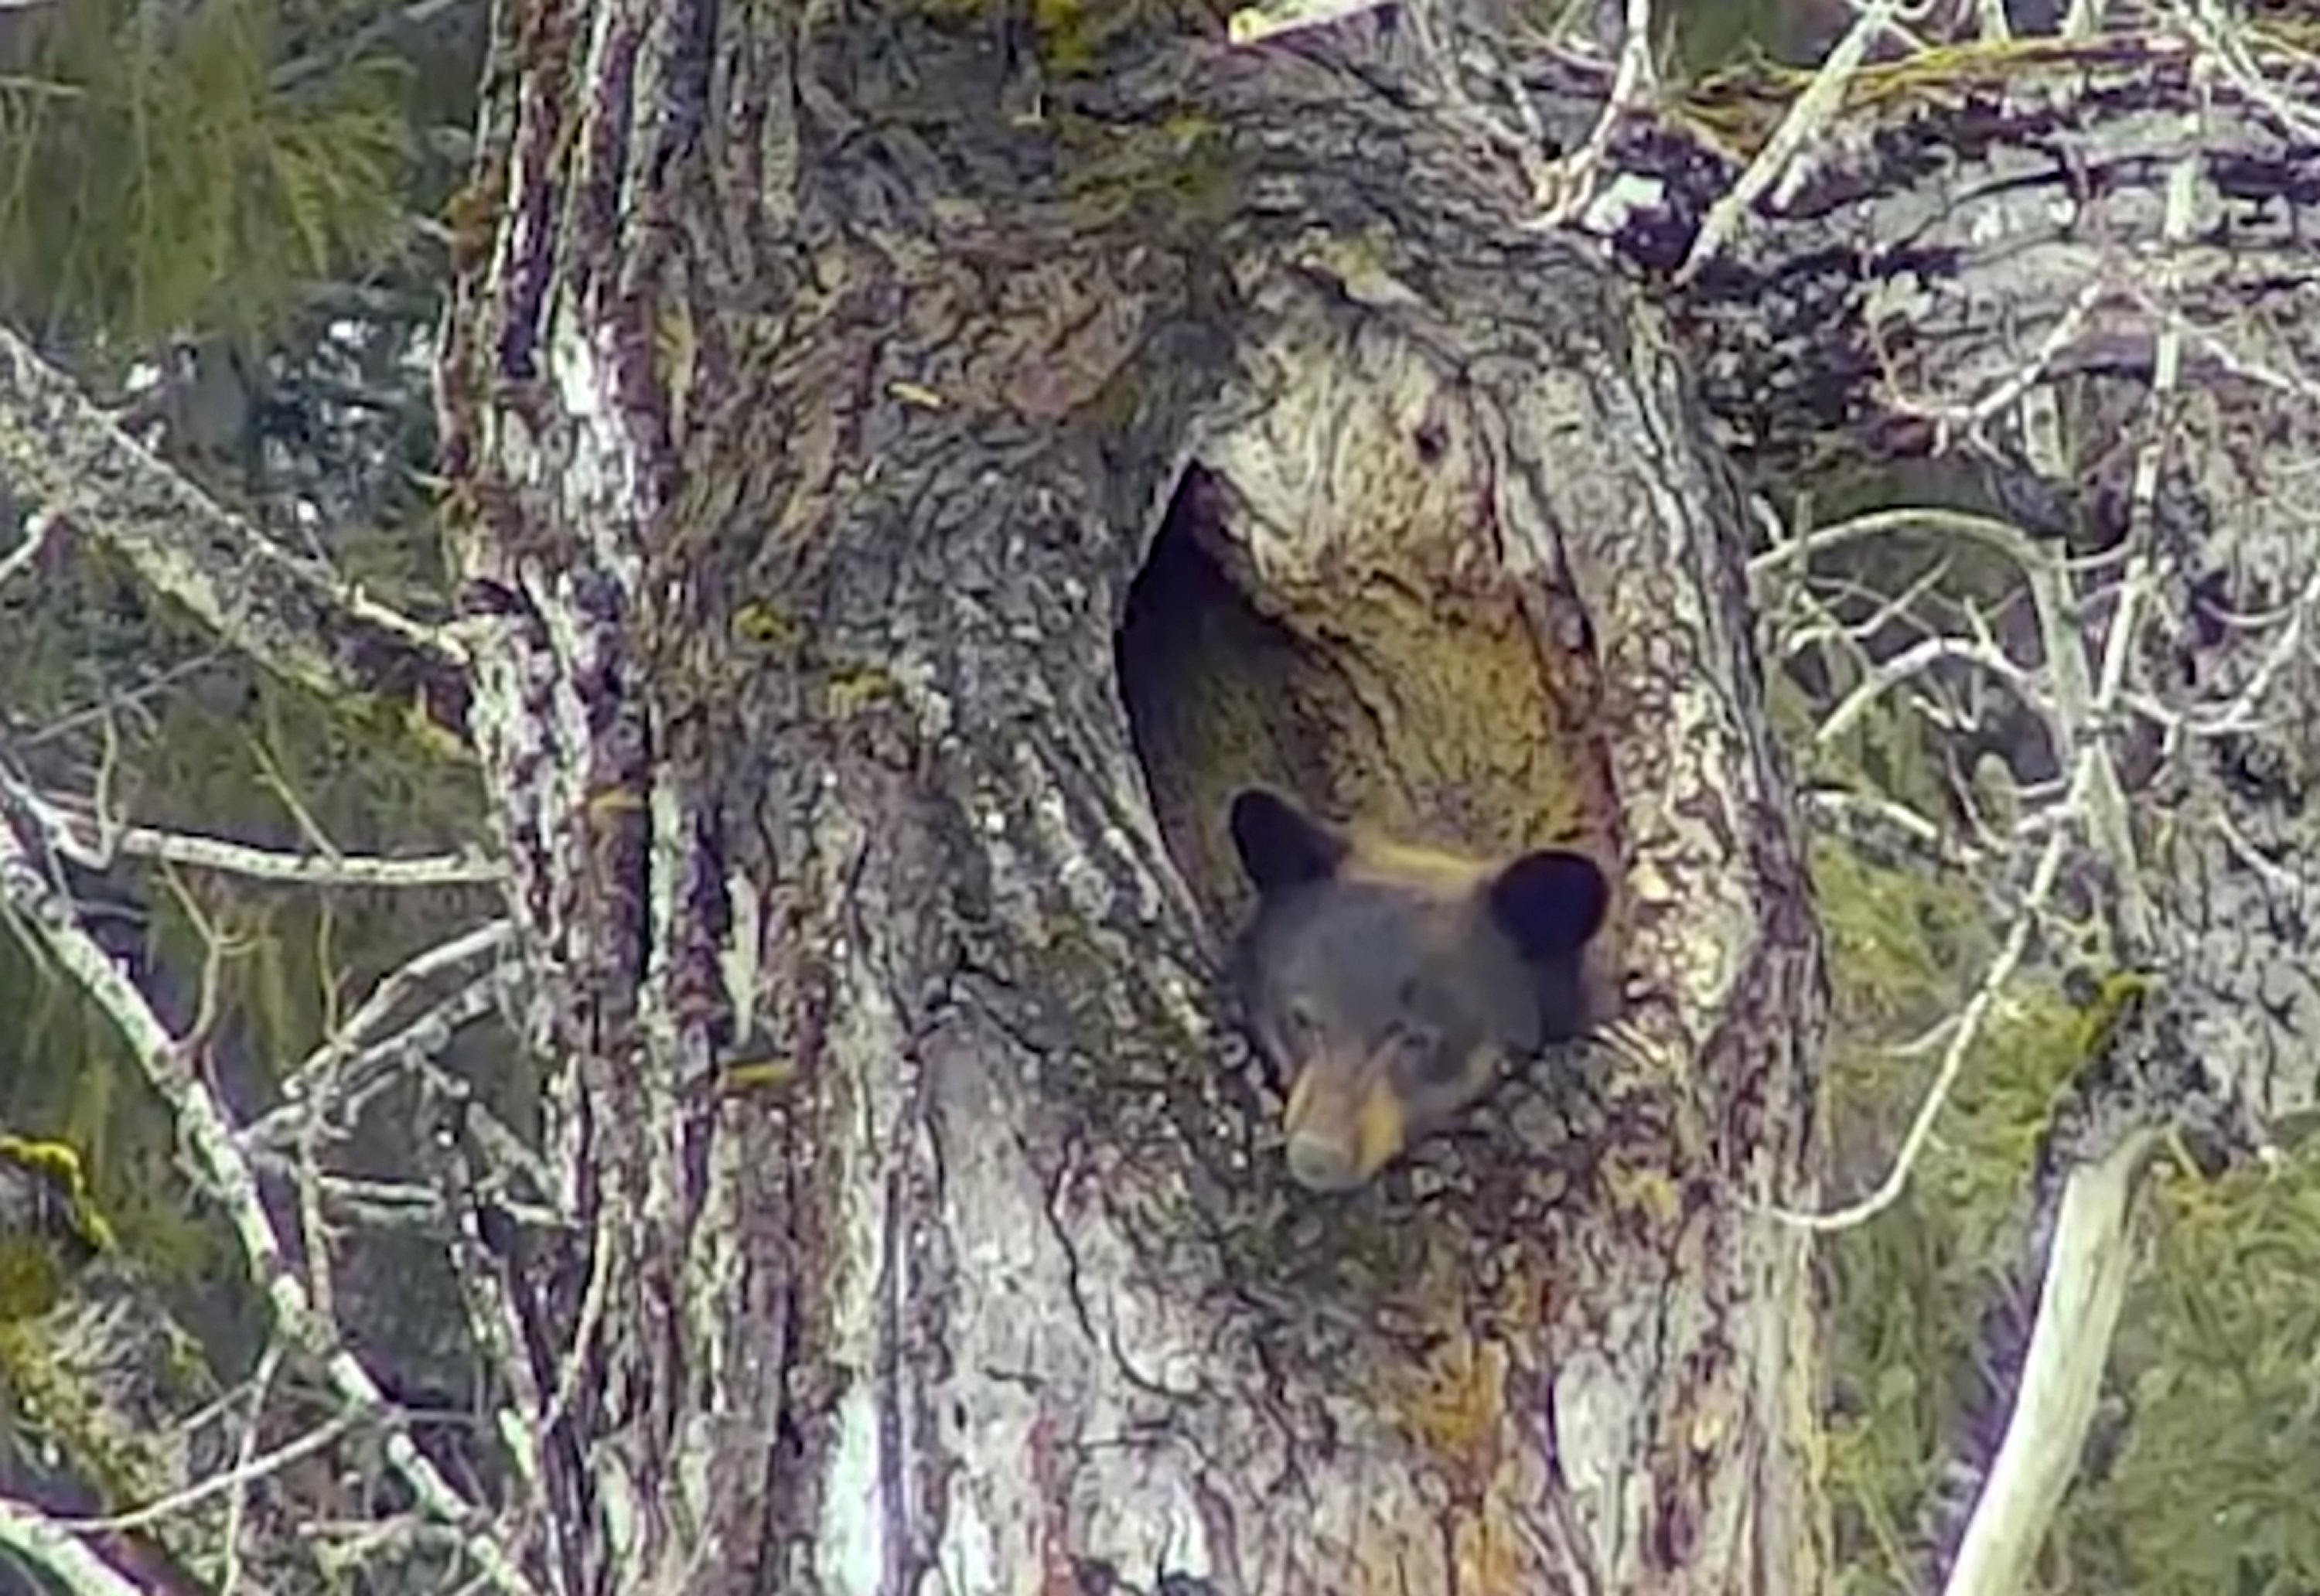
(814, 420)
(913, 467)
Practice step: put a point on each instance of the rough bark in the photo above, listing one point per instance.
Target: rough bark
(2097, 295)
(816, 418)
(817, 443)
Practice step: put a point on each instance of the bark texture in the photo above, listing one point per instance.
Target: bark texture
(830, 389)
(821, 397)
(2097, 297)
(819, 418)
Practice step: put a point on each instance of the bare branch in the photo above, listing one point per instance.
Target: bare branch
(391, 991)
(64, 456)
(251, 1465)
(1783, 156)
(88, 834)
(95, 846)
(1907, 663)
(56, 1550)
(207, 1133)
(2054, 1400)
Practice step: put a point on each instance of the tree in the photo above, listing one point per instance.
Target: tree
(907, 472)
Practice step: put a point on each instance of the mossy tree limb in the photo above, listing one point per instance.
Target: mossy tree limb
(111, 1407)
(67, 462)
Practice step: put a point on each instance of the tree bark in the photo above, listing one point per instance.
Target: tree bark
(2085, 301)
(818, 420)
(907, 475)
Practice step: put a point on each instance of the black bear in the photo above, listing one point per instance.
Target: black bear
(1392, 985)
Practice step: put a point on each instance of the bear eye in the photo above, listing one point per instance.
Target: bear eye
(1417, 1046)
(1446, 1065)
(1299, 1025)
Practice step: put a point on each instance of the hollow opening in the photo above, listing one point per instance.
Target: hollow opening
(1409, 684)
(1219, 695)
(1373, 689)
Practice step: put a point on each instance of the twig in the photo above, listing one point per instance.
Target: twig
(36, 536)
(1907, 663)
(1564, 185)
(58, 1552)
(390, 992)
(205, 1129)
(1994, 979)
(251, 1465)
(2224, 40)
(1811, 115)
(83, 833)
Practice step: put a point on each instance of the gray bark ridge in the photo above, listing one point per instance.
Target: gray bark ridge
(1000, 1287)
(2085, 302)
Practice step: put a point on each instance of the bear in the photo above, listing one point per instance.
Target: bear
(1392, 985)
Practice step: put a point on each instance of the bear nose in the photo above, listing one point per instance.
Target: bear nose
(1322, 1163)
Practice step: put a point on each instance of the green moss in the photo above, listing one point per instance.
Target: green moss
(2213, 1477)
(1177, 176)
(1703, 36)
(59, 1166)
(767, 625)
(31, 1276)
(857, 688)
(122, 1467)
(1069, 35)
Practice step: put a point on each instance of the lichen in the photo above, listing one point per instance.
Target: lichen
(858, 688)
(57, 1165)
(766, 625)
(31, 1278)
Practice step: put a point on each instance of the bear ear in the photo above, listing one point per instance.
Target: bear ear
(1280, 845)
(1550, 902)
